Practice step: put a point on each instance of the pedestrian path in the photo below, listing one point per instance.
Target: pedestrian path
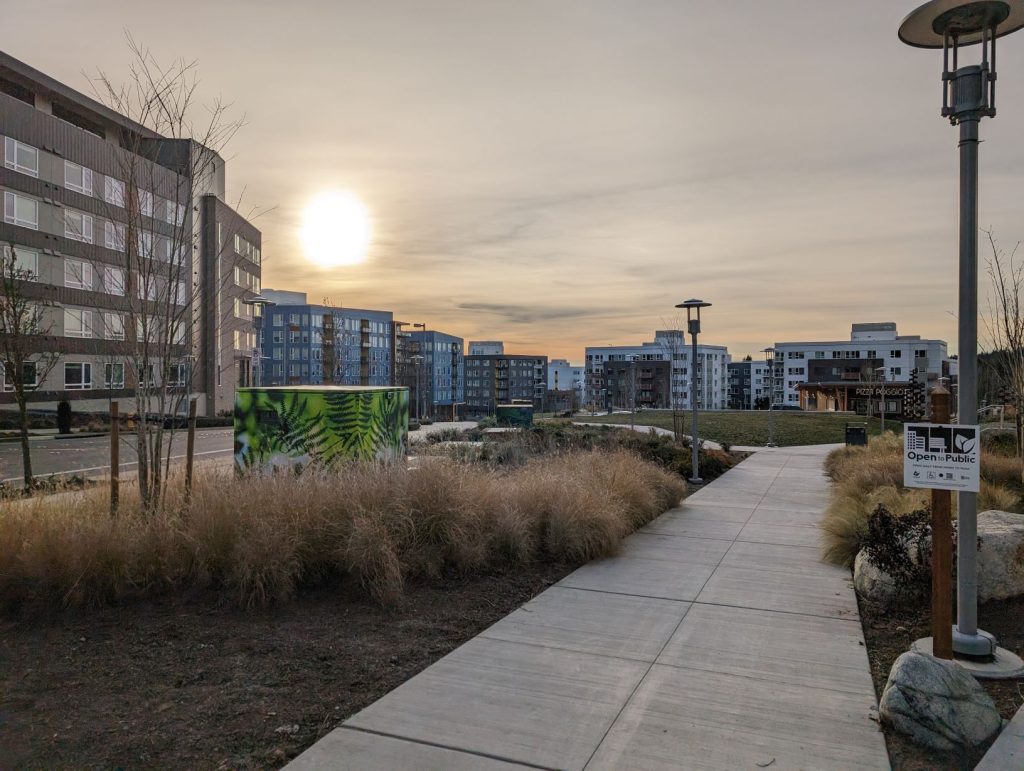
(716, 640)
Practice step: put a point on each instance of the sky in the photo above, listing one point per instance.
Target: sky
(558, 173)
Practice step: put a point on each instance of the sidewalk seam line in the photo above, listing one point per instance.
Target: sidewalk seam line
(426, 743)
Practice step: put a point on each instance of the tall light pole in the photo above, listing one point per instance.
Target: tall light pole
(881, 397)
(430, 379)
(418, 359)
(968, 95)
(260, 304)
(693, 307)
(769, 359)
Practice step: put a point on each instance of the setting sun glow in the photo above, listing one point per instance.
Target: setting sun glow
(336, 229)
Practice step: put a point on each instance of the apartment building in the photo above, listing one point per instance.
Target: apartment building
(749, 384)
(565, 387)
(307, 344)
(856, 374)
(504, 379)
(710, 369)
(486, 348)
(633, 384)
(437, 373)
(128, 246)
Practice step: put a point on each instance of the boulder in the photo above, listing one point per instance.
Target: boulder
(937, 703)
(1000, 562)
(871, 582)
(1000, 555)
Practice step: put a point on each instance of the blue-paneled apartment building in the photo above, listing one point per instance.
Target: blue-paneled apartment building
(299, 343)
(304, 344)
(442, 373)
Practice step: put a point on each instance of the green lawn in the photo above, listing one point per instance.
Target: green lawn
(751, 428)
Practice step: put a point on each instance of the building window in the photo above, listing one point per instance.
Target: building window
(238, 340)
(26, 262)
(113, 375)
(113, 235)
(872, 354)
(896, 371)
(77, 322)
(177, 375)
(21, 210)
(29, 376)
(113, 326)
(144, 243)
(180, 293)
(77, 226)
(896, 354)
(853, 354)
(77, 178)
(146, 202)
(21, 157)
(113, 191)
(921, 353)
(112, 280)
(77, 274)
(77, 376)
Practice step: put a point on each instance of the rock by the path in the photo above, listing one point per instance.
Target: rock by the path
(1000, 555)
(871, 582)
(1000, 562)
(937, 703)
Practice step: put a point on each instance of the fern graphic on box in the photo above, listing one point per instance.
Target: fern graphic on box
(301, 425)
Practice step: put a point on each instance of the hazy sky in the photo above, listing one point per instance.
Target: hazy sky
(562, 172)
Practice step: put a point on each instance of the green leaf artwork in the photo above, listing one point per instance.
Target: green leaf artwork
(298, 426)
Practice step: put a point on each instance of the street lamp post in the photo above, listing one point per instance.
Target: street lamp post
(418, 359)
(693, 307)
(261, 304)
(769, 359)
(881, 397)
(968, 95)
(430, 380)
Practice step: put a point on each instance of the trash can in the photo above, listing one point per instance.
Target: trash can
(856, 434)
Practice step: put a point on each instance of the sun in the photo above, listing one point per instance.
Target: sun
(336, 229)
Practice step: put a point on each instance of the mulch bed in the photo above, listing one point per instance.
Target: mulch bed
(195, 683)
(889, 633)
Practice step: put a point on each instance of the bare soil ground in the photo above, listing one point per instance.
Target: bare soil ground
(890, 632)
(194, 683)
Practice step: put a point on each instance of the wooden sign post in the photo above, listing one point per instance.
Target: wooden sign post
(115, 458)
(190, 447)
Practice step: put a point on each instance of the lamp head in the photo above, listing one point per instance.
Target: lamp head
(693, 307)
(968, 92)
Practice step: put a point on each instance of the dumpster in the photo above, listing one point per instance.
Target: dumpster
(289, 426)
(519, 415)
(856, 434)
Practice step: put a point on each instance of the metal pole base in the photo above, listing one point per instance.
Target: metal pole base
(770, 444)
(695, 481)
(980, 645)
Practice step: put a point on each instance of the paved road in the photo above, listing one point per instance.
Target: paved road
(91, 456)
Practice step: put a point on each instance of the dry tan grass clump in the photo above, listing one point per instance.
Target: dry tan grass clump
(866, 477)
(261, 539)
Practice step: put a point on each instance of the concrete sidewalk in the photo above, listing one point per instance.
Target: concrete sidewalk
(716, 640)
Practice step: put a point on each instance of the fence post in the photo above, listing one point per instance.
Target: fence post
(942, 550)
(190, 451)
(115, 458)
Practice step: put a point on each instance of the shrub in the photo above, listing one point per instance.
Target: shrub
(260, 539)
(426, 421)
(899, 545)
(444, 435)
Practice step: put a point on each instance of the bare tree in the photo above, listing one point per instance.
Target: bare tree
(25, 355)
(1004, 326)
(154, 225)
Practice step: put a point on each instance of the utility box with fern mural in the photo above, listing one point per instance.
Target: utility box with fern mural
(288, 426)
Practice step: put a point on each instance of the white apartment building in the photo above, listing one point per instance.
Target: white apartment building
(563, 376)
(668, 345)
(486, 348)
(847, 374)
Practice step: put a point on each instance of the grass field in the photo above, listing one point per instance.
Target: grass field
(751, 428)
